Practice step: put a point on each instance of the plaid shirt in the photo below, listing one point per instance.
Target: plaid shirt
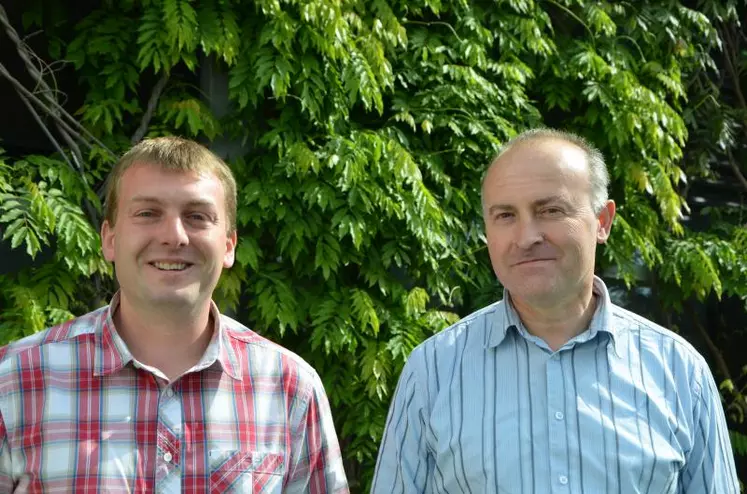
(79, 414)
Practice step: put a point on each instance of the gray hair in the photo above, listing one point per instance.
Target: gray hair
(598, 176)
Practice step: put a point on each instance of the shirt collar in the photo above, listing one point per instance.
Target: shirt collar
(506, 317)
(112, 353)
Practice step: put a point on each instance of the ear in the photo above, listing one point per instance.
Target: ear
(107, 241)
(230, 255)
(604, 221)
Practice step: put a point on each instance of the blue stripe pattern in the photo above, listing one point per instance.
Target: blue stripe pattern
(625, 407)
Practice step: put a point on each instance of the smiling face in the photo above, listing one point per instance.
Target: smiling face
(539, 222)
(170, 240)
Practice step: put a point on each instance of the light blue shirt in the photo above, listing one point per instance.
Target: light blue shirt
(625, 407)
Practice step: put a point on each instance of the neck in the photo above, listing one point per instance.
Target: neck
(171, 341)
(558, 322)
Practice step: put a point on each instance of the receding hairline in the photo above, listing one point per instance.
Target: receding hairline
(514, 145)
(538, 139)
(593, 162)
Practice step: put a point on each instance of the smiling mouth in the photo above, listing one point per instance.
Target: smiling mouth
(170, 266)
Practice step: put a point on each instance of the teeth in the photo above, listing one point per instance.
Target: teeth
(169, 266)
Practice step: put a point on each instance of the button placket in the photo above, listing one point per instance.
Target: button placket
(169, 441)
(556, 423)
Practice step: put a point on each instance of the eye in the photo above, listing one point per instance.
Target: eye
(201, 218)
(503, 216)
(147, 213)
(198, 217)
(552, 211)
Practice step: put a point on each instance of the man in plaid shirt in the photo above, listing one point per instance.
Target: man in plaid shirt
(159, 392)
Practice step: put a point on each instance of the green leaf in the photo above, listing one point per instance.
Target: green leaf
(248, 252)
(415, 301)
(364, 311)
(180, 20)
(726, 384)
(327, 256)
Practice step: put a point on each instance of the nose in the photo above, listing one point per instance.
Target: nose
(528, 234)
(173, 232)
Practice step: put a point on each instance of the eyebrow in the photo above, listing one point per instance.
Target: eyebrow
(538, 203)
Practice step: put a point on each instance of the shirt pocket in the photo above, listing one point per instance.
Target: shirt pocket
(246, 472)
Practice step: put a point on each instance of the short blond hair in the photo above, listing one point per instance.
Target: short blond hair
(174, 154)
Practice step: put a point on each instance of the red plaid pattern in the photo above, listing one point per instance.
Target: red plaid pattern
(79, 414)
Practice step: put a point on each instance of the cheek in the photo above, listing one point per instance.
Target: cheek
(497, 247)
(130, 243)
(211, 246)
(577, 237)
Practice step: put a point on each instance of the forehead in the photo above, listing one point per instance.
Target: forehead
(153, 181)
(531, 170)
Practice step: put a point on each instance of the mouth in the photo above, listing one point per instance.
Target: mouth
(171, 266)
(532, 261)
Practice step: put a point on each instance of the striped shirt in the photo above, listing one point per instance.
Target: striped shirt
(79, 414)
(625, 407)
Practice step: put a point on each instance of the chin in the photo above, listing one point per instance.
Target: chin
(535, 295)
(531, 290)
(175, 299)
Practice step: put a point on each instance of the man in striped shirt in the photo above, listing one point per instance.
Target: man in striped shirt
(158, 392)
(554, 389)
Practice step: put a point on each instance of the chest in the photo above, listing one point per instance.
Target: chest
(522, 420)
(204, 433)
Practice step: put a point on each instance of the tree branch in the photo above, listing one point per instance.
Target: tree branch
(93, 216)
(55, 115)
(46, 131)
(731, 49)
(151, 109)
(55, 110)
(23, 52)
(737, 171)
(69, 135)
(718, 357)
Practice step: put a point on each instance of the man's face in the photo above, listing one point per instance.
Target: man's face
(170, 239)
(541, 229)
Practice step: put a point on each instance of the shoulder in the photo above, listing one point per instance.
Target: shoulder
(659, 344)
(627, 321)
(267, 356)
(23, 363)
(468, 335)
(64, 333)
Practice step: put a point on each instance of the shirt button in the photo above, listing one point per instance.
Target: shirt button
(559, 415)
(169, 392)
(167, 457)
(563, 479)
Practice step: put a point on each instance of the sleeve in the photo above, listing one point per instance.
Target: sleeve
(402, 465)
(6, 474)
(710, 465)
(315, 460)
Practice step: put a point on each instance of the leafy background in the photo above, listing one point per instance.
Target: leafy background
(358, 131)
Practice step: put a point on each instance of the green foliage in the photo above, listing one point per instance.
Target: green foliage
(738, 442)
(366, 127)
(40, 201)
